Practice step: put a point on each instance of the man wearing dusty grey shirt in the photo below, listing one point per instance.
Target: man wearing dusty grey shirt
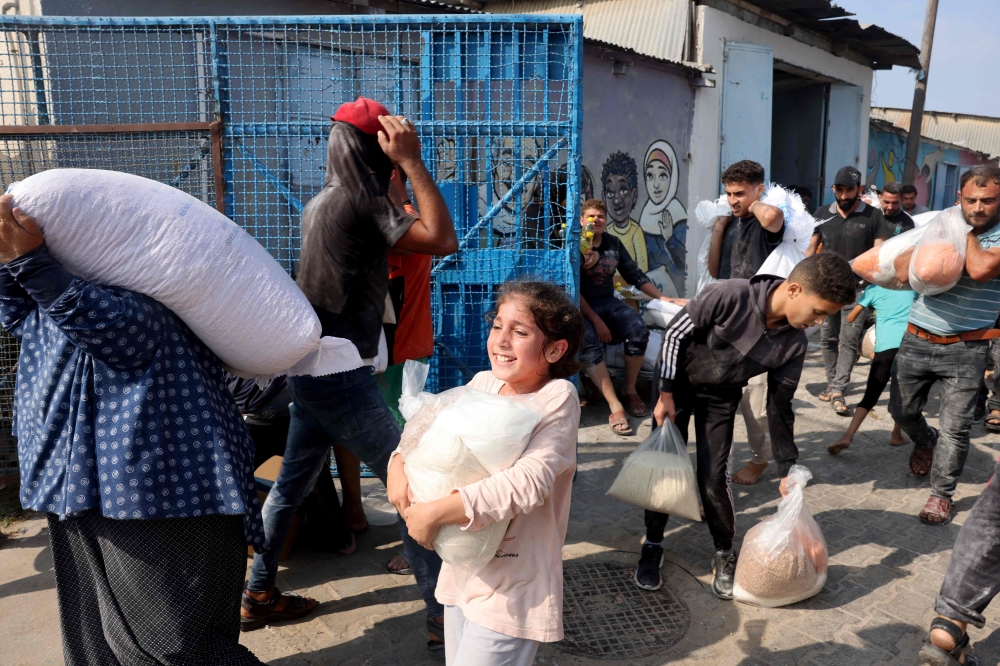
(347, 230)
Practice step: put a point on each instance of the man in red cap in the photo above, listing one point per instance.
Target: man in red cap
(347, 230)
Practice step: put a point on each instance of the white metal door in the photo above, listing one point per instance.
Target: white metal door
(843, 133)
(747, 90)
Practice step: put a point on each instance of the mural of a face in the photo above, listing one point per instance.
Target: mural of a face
(620, 185)
(447, 159)
(657, 181)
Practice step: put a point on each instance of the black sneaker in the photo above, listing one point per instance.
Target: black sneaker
(647, 574)
(724, 568)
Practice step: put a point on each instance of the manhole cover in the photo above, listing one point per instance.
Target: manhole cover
(606, 616)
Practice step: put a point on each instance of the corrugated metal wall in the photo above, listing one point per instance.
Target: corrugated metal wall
(657, 28)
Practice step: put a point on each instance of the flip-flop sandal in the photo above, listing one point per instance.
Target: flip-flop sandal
(435, 645)
(840, 405)
(935, 656)
(921, 461)
(993, 423)
(635, 406)
(408, 571)
(617, 420)
(937, 506)
(263, 613)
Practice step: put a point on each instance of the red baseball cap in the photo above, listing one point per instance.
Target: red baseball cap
(363, 113)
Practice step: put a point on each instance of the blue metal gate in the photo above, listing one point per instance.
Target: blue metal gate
(236, 112)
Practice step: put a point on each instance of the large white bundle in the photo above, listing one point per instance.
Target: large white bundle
(706, 212)
(454, 439)
(126, 231)
(659, 476)
(799, 226)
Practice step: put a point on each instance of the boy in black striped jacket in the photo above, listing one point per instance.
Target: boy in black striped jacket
(732, 331)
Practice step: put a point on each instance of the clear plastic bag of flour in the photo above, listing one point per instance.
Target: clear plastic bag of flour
(784, 557)
(659, 476)
(454, 439)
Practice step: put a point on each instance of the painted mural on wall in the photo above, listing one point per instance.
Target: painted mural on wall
(886, 156)
(656, 239)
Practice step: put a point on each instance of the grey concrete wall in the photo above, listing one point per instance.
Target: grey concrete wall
(630, 124)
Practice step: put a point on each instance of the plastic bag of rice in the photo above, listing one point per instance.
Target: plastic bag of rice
(659, 476)
(784, 558)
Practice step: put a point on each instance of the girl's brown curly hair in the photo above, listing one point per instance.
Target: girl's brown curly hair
(554, 314)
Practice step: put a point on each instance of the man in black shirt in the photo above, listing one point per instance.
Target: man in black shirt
(891, 200)
(604, 313)
(848, 227)
(740, 244)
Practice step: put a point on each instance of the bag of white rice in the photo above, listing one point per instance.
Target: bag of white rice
(125, 231)
(659, 476)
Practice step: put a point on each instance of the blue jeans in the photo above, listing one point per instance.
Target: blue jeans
(626, 326)
(346, 408)
(959, 367)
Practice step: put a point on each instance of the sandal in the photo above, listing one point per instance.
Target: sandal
(840, 405)
(635, 406)
(263, 612)
(935, 656)
(435, 629)
(937, 511)
(825, 395)
(619, 424)
(921, 460)
(993, 421)
(405, 571)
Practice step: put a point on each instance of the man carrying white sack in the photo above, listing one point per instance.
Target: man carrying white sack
(947, 341)
(741, 242)
(347, 230)
(129, 439)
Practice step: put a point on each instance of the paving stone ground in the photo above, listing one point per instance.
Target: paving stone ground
(885, 566)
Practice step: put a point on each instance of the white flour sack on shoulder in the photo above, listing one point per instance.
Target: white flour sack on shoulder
(125, 231)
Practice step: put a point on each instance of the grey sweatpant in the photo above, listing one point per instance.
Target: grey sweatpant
(469, 644)
(753, 406)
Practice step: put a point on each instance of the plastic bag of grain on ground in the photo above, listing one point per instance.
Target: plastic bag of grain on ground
(659, 476)
(939, 259)
(454, 439)
(784, 557)
(877, 265)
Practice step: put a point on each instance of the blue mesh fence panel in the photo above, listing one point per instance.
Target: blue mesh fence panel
(496, 101)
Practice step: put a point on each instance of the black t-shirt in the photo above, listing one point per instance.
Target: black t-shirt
(728, 241)
(853, 235)
(899, 223)
(751, 246)
(598, 281)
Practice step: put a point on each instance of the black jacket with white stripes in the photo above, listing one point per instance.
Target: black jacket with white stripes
(721, 339)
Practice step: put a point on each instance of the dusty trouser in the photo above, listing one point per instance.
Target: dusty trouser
(753, 406)
(959, 367)
(714, 412)
(973, 577)
(841, 342)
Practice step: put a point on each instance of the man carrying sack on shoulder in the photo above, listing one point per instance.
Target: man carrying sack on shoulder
(947, 341)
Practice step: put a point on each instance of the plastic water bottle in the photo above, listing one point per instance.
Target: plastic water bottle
(586, 237)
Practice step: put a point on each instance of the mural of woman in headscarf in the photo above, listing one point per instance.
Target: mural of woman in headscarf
(664, 220)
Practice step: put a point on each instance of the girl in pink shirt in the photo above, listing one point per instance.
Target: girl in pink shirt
(515, 601)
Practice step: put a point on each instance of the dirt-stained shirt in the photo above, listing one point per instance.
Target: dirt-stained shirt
(346, 231)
